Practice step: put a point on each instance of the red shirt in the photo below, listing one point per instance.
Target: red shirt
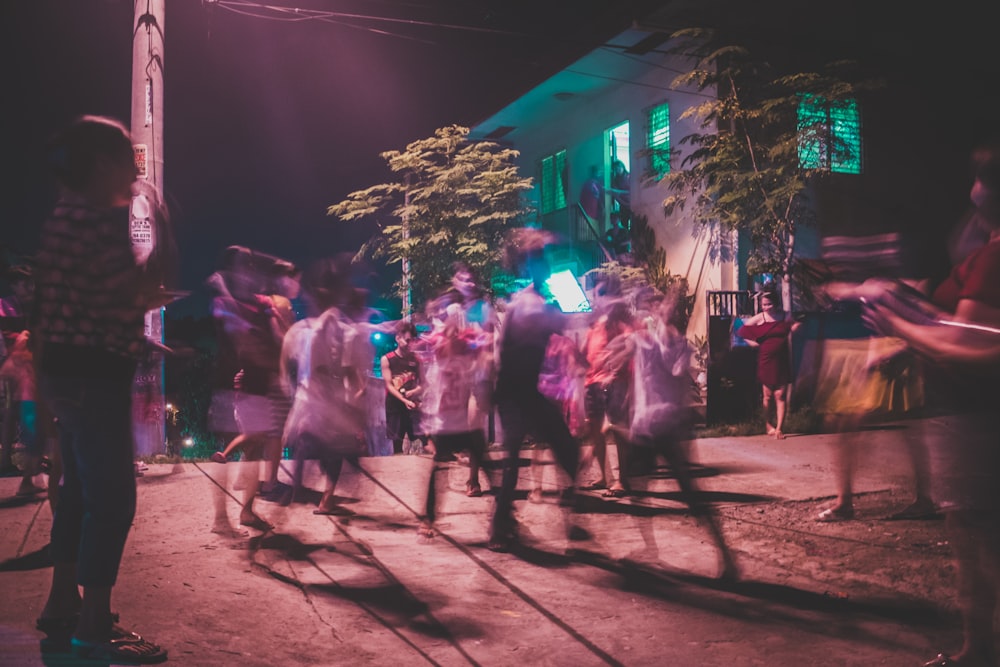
(976, 278)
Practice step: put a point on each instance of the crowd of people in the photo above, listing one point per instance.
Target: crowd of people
(295, 359)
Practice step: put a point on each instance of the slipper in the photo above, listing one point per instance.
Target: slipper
(594, 486)
(124, 647)
(832, 515)
(217, 457)
(615, 493)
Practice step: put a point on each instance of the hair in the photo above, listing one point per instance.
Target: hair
(74, 152)
(326, 282)
(772, 296)
(406, 326)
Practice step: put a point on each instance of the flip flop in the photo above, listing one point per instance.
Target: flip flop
(123, 647)
(833, 515)
(595, 486)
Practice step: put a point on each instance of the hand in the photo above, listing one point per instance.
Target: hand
(238, 380)
(879, 318)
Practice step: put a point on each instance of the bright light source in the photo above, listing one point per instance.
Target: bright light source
(170, 406)
(189, 442)
(568, 293)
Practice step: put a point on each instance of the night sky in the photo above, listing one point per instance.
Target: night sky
(267, 122)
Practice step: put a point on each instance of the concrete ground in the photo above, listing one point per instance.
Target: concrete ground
(363, 588)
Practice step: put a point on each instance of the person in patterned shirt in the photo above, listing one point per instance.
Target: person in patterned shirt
(91, 296)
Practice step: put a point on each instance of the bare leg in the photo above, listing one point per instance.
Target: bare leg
(250, 471)
(272, 451)
(234, 444)
(595, 452)
(779, 411)
(617, 455)
(845, 461)
(767, 400)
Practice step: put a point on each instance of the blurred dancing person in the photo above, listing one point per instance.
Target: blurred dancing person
(250, 329)
(662, 411)
(449, 412)
(607, 389)
(327, 417)
(962, 343)
(528, 324)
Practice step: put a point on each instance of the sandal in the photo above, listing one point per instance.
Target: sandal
(615, 494)
(473, 490)
(123, 647)
(426, 530)
(834, 514)
(594, 486)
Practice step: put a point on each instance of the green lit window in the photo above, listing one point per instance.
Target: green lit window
(829, 135)
(553, 182)
(658, 141)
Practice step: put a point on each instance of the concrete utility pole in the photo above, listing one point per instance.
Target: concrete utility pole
(147, 134)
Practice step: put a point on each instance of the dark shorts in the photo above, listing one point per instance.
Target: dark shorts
(400, 422)
(611, 400)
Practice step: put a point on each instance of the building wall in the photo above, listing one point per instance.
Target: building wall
(578, 125)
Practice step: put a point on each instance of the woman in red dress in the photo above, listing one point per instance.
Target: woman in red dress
(769, 331)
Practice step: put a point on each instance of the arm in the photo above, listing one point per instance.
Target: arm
(947, 343)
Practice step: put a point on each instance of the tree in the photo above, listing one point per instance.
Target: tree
(454, 200)
(745, 170)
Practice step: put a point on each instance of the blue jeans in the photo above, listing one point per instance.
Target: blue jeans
(97, 493)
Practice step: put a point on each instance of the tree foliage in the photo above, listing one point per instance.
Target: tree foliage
(742, 171)
(453, 200)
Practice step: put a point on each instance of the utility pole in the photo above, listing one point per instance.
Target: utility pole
(148, 416)
(407, 289)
